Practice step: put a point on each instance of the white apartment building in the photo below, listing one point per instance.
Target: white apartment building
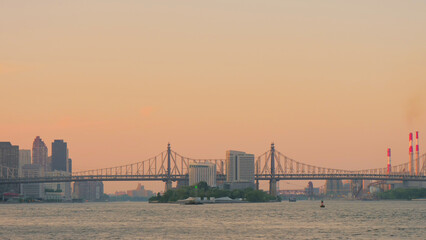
(199, 172)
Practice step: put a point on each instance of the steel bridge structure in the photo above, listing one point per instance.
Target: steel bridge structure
(273, 166)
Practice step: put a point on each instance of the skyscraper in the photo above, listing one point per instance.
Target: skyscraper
(240, 169)
(24, 158)
(9, 157)
(69, 165)
(49, 163)
(59, 155)
(40, 153)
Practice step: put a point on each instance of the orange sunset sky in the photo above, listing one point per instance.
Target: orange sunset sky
(332, 83)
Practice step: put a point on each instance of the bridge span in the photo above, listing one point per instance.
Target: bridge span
(379, 177)
(272, 166)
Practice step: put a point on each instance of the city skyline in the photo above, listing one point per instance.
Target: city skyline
(232, 165)
(331, 83)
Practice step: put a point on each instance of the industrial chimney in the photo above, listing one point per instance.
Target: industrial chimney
(417, 153)
(410, 154)
(389, 161)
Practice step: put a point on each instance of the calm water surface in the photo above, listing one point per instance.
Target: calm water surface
(299, 220)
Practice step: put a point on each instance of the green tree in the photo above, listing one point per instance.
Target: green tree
(203, 190)
(203, 186)
(403, 193)
(237, 193)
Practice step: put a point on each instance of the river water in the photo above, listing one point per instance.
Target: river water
(285, 220)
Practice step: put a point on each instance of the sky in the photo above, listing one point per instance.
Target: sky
(332, 83)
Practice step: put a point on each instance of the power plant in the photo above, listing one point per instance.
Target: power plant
(413, 163)
(417, 153)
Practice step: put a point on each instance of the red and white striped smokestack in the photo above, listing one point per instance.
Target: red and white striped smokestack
(417, 153)
(410, 154)
(389, 161)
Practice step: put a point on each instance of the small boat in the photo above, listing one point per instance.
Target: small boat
(322, 204)
(292, 199)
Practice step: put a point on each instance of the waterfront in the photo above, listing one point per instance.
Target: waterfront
(284, 220)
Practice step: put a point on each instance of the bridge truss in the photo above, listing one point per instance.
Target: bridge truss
(169, 166)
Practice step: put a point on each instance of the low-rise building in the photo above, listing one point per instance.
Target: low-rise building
(32, 190)
(62, 189)
(140, 192)
(90, 191)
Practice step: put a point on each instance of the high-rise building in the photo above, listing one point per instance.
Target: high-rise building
(9, 159)
(49, 163)
(9, 155)
(240, 169)
(69, 165)
(240, 166)
(59, 155)
(40, 153)
(33, 190)
(199, 172)
(24, 159)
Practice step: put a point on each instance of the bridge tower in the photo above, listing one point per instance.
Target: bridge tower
(356, 187)
(273, 181)
(257, 172)
(169, 179)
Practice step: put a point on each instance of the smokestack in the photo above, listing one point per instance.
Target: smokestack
(410, 154)
(417, 153)
(389, 161)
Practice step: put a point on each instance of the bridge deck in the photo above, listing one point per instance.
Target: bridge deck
(392, 177)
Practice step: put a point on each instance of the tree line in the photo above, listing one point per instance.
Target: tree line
(203, 190)
(403, 193)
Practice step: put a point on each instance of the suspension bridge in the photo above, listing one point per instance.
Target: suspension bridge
(273, 166)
